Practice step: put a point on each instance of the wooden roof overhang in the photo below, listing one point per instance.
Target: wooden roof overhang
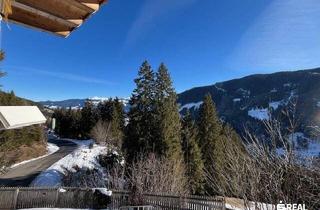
(60, 17)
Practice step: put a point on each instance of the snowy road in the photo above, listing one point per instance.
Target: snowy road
(23, 175)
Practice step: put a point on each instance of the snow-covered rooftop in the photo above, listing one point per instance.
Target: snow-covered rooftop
(20, 116)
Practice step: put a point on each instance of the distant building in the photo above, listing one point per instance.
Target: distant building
(12, 117)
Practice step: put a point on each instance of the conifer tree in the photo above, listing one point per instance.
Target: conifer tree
(89, 117)
(167, 118)
(119, 106)
(192, 155)
(209, 130)
(140, 129)
(117, 126)
(105, 110)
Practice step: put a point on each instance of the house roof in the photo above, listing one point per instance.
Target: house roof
(60, 17)
(20, 116)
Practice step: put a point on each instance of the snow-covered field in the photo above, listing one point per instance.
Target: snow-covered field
(259, 114)
(238, 204)
(191, 105)
(83, 157)
(51, 148)
(311, 149)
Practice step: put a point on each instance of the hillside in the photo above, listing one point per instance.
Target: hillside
(64, 103)
(79, 103)
(245, 102)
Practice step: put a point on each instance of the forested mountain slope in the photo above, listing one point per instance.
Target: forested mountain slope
(245, 102)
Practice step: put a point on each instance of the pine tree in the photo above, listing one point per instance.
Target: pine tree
(167, 116)
(117, 126)
(209, 131)
(192, 155)
(119, 106)
(140, 129)
(105, 110)
(89, 117)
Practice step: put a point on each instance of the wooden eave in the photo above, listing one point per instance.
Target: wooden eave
(60, 17)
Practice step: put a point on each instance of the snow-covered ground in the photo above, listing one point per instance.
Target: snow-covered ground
(83, 157)
(191, 105)
(275, 104)
(238, 204)
(259, 114)
(51, 148)
(311, 149)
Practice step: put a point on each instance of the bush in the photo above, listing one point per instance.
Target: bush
(151, 174)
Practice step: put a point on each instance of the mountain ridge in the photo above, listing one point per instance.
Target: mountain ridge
(249, 99)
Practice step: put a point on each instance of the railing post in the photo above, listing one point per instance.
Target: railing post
(15, 199)
(56, 198)
(224, 203)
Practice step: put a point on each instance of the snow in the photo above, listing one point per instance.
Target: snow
(238, 204)
(96, 98)
(287, 84)
(191, 105)
(245, 93)
(51, 148)
(312, 149)
(82, 157)
(253, 206)
(104, 191)
(273, 90)
(236, 99)
(275, 104)
(259, 114)
(62, 190)
(219, 88)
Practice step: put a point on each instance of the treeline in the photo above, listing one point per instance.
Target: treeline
(105, 118)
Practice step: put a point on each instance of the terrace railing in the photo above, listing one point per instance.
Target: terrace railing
(19, 198)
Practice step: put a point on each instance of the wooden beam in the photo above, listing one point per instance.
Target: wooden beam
(66, 9)
(92, 4)
(95, 7)
(43, 14)
(60, 17)
(59, 33)
(76, 21)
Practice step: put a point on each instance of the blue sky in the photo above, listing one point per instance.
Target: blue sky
(201, 42)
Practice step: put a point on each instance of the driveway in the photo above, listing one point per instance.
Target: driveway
(23, 175)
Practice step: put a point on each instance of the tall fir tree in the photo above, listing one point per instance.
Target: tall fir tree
(116, 125)
(89, 117)
(140, 129)
(192, 155)
(167, 115)
(119, 107)
(209, 130)
(105, 110)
